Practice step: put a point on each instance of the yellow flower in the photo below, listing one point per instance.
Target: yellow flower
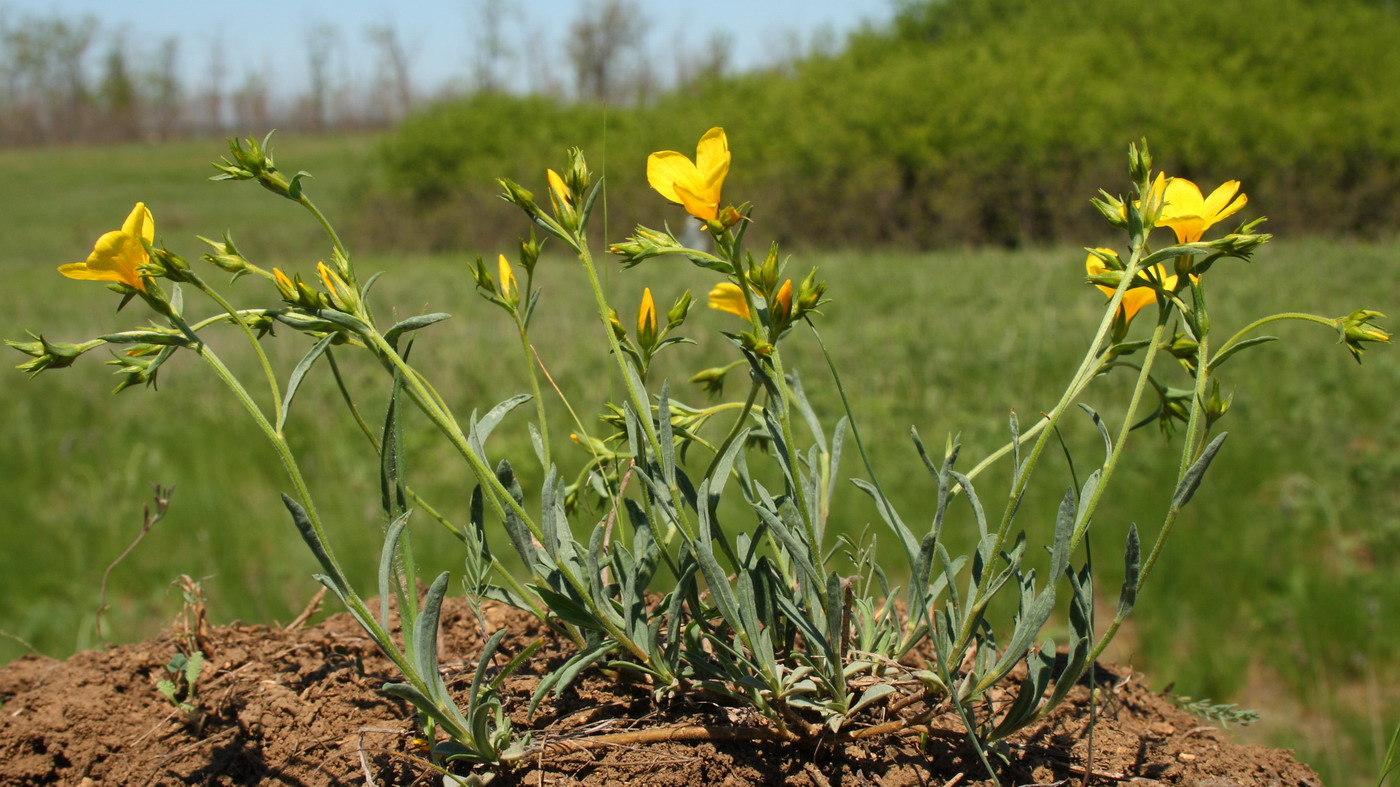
(1136, 297)
(646, 315)
(507, 276)
(783, 301)
(696, 185)
(727, 297)
(1190, 215)
(557, 187)
(284, 284)
(118, 255)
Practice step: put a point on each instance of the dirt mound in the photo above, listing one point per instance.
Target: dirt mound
(303, 707)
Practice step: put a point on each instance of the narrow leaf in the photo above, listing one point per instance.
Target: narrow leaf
(294, 381)
(1192, 480)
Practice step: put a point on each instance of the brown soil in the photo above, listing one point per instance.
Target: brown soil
(303, 707)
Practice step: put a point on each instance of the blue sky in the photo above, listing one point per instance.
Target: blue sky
(269, 35)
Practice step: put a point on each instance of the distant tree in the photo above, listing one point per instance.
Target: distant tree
(165, 94)
(251, 104)
(320, 43)
(117, 96)
(392, 91)
(211, 105)
(602, 40)
(710, 62)
(491, 53)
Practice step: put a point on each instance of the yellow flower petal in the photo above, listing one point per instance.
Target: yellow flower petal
(80, 270)
(284, 284)
(556, 185)
(507, 277)
(646, 315)
(727, 297)
(1218, 205)
(712, 158)
(783, 300)
(120, 253)
(666, 168)
(696, 205)
(140, 224)
(1140, 294)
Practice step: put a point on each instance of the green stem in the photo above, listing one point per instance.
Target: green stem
(1087, 509)
(1195, 429)
(745, 411)
(794, 456)
(1051, 421)
(306, 202)
(234, 314)
(641, 400)
(1233, 340)
(534, 390)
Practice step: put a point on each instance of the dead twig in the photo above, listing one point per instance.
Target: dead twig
(148, 521)
(312, 607)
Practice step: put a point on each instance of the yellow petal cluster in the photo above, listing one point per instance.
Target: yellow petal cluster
(1190, 214)
(693, 184)
(118, 255)
(1136, 297)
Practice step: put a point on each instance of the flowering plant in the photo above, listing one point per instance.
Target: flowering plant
(642, 562)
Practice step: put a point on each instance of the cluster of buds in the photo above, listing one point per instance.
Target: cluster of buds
(1184, 349)
(339, 295)
(504, 289)
(1356, 329)
(651, 336)
(225, 256)
(50, 355)
(571, 198)
(255, 163)
(646, 243)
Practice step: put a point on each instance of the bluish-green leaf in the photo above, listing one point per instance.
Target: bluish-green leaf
(412, 324)
(298, 373)
(1190, 482)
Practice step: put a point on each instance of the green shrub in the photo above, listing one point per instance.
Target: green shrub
(969, 122)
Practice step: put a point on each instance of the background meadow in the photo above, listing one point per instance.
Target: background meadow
(953, 249)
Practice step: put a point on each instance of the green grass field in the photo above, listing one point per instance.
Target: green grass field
(1279, 590)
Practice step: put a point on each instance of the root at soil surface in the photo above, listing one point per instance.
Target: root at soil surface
(302, 706)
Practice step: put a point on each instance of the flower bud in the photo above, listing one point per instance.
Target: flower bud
(646, 320)
(509, 291)
(645, 244)
(616, 323)
(576, 176)
(678, 311)
(285, 286)
(519, 196)
(255, 163)
(168, 264)
(1139, 162)
(1216, 407)
(1111, 208)
(809, 295)
(226, 256)
(529, 253)
(1356, 330)
(342, 296)
(561, 199)
(49, 355)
